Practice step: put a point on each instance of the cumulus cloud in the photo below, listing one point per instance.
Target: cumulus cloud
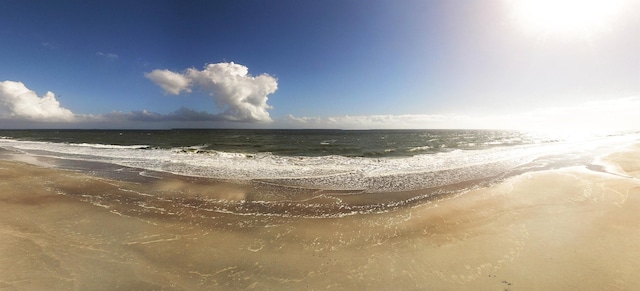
(17, 100)
(241, 96)
(172, 83)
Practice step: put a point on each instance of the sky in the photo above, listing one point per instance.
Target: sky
(351, 64)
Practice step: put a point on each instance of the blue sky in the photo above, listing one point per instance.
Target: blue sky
(337, 63)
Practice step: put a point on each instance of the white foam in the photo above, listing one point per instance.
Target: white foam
(333, 172)
(418, 149)
(109, 146)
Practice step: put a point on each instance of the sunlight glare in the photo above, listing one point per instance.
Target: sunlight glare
(580, 18)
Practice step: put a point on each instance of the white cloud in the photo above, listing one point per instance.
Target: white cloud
(407, 121)
(17, 100)
(595, 116)
(241, 96)
(172, 83)
(110, 56)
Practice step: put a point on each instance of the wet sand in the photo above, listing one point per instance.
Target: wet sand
(565, 229)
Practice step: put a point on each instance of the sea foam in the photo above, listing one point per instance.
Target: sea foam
(325, 172)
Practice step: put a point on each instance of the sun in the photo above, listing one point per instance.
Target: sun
(581, 18)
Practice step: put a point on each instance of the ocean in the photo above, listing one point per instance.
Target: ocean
(310, 143)
(319, 157)
(417, 163)
(371, 161)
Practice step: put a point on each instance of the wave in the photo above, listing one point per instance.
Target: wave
(419, 149)
(332, 172)
(328, 142)
(324, 172)
(109, 146)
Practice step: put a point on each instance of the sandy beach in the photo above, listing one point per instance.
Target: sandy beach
(573, 228)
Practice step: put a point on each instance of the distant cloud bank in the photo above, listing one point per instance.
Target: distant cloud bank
(408, 121)
(16, 100)
(241, 96)
(592, 116)
(244, 98)
(182, 114)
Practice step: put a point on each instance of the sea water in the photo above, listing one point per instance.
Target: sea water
(421, 162)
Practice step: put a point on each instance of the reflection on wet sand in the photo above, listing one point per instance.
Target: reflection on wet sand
(567, 228)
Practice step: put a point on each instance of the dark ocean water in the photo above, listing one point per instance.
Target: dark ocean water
(348, 143)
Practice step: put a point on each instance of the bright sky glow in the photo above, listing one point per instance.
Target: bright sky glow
(571, 18)
(570, 65)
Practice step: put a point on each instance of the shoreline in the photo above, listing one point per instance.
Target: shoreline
(571, 228)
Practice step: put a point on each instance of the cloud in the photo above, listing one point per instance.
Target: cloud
(172, 83)
(244, 96)
(17, 100)
(241, 96)
(49, 45)
(182, 114)
(601, 115)
(407, 121)
(595, 116)
(110, 56)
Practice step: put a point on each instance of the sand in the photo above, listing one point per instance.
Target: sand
(565, 229)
